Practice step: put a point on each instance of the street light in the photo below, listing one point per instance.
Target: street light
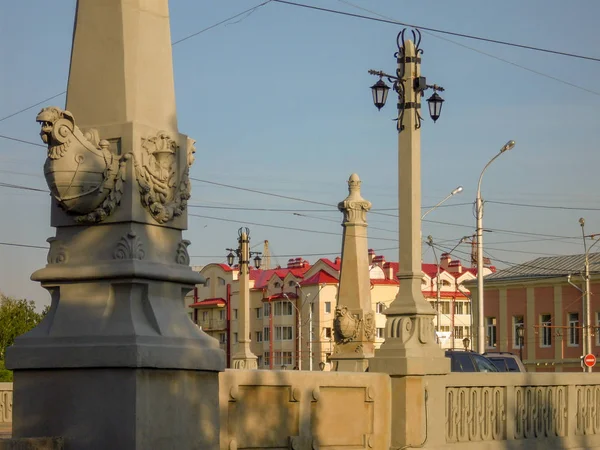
(520, 333)
(457, 190)
(321, 366)
(586, 294)
(409, 86)
(479, 213)
(466, 342)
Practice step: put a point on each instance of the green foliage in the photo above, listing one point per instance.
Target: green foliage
(17, 316)
(5, 374)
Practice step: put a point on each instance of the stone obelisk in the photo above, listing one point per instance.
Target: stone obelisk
(354, 323)
(117, 363)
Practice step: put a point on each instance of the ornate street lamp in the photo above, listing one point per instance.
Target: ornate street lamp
(244, 260)
(419, 84)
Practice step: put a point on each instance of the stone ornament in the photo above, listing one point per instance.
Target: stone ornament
(182, 255)
(58, 252)
(345, 325)
(129, 246)
(163, 188)
(354, 207)
(83, 175)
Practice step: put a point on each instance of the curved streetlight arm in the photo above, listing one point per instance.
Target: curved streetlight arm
(458, 190)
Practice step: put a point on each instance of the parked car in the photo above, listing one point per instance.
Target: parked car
(506, 361)
(469, 361)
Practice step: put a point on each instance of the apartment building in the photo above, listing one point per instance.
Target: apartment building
(292, 308)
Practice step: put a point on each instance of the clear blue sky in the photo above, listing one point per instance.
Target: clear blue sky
(279, 101)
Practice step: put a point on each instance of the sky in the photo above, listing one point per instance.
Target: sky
(278, 101)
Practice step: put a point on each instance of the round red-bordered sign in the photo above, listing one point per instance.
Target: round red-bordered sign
(589, 360)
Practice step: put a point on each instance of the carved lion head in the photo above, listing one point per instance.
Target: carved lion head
(52, 120)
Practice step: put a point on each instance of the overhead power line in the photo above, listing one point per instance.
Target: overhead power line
(185, 38)
(437, 30)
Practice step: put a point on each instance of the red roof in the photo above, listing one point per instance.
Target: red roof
(383, 281)
(320, 277)
(261, 277)
(279, 296)
(334, 265)
(209, 302)
(444, 294)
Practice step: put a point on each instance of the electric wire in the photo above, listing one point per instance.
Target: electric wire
(537, 72)
(436, 30)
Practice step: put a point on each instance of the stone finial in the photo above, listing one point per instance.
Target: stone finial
(354, 207)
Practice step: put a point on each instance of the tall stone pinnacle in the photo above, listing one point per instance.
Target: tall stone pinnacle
(354, 322)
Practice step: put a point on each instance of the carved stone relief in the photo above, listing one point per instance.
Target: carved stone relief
(588, 410)
(58, 252)
(540, 411)
(129, 246)
(182, 256)
(345, 325)
(6, 406)
(164, 187)
(83, 175)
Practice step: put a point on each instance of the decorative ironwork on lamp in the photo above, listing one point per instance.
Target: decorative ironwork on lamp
(233, 252)
(380, 89)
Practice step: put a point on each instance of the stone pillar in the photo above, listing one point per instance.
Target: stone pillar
(409, 351)
(117, 363)
(354, 323)
(243, 358)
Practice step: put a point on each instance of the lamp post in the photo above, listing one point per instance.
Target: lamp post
(457, 190)
(479, 213)
(243, 357)
(586, 294)
(520, 334)
(409, 304)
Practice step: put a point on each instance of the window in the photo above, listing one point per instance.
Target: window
(292, 284)
(328, 307)
(221, 281)
(267, 309)
(266, 334)
(235, 338)
(517, 323)
(234, 314)
(286, 308)
(458, 333)
(381, 333)
(266, 358)
(546, 331)
(277, 284)
(573, 329)
(445, 307)
(204, 316)
(222, 315)
(277, 358)
(258, 312)
(286, 358)
(283, 333)
(207, 284)
(259, 362)
(462, 308)
(380, 307)
(277, 309)
(327, 332)
(222, 338)
(490, 332)
(259, 336)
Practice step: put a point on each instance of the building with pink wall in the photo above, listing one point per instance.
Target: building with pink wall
(546, 297)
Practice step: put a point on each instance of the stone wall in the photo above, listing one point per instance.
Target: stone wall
(304, 410)
(6, 402)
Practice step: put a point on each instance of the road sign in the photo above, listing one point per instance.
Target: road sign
(589, 360)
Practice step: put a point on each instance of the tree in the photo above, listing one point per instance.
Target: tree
(17, 316)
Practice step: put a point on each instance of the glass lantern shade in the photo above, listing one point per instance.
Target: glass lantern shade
(435, 106)
(380, 92)
(230, 259)
(257, 261)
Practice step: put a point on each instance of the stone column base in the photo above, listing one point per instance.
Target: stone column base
(120, 408)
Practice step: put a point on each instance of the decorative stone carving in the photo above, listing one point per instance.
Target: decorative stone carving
(182, 256)
(163, 188)
(588, 410)
(345, 325)
(83, 175)
(129, 247)
(6, 406)
(411, 328)
(369, 325)
(58, 252)
(475, 414)
(354, 207)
